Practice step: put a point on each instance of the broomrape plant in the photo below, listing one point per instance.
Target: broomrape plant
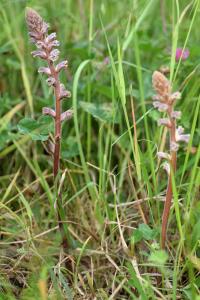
(46, 43)
(164, 101)
(46, 50)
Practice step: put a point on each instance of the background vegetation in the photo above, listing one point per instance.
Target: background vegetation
(112, 184)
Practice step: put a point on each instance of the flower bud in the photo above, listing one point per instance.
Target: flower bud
(51, 81)
(39, 53)
(164, 155)
(180, 137)
(166, 167)
(54, 54)
(63, 92)
(44, 70)
(165, 122)
(54, 43)
(50, 37)
(48, 111)
(176, 114)
(175, 96)
(162, 107)
(174, 146)
(67, 115)
(61, 65)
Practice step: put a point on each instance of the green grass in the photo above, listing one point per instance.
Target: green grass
(109, 165)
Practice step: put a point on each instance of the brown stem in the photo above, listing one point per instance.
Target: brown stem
(38, 31)
(57, 128)
(57, 132)
(169, 193)
(57, 137)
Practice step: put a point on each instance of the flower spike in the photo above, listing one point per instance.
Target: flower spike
(46, 49)
(164, 101)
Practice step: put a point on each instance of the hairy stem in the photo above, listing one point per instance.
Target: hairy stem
(169, 193)
(57, 132)
(57, 129)
(57, 138)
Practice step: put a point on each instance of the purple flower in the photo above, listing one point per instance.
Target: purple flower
(174, 146)
(182, 54)
(48, 111)
(44, 70)
(166, 167)
(63, 92)
(165, 122)
(53, 56)
(160, 106)
(164, 155)
(176, 114)
(39, 53)
(180, 136)
(51, 81)
(67, 115)
(61, 65)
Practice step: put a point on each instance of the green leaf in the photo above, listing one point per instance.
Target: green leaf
(143, 232)
(103, 112)
(147, 232)
(27, 125)
(37, 130)
(158, 257)
(137, 236)
(46, 124)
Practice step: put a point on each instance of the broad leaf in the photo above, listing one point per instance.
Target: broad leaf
(143, 232)
(37, 130)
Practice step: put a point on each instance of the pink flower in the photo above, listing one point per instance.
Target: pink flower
(182, 54)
